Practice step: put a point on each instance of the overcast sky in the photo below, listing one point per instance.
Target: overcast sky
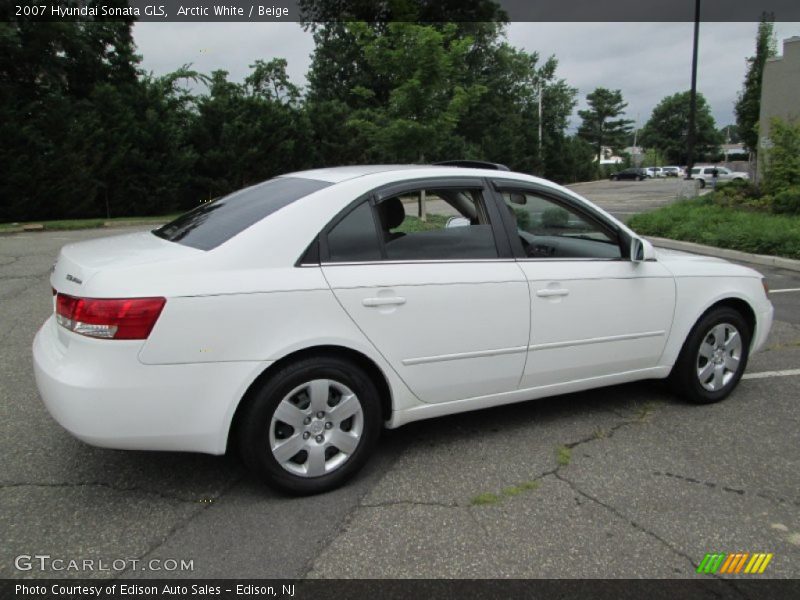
(647, 61)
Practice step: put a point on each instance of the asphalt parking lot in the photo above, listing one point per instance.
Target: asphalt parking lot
(620, 482)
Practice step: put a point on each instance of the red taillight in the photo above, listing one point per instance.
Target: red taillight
(117, 318)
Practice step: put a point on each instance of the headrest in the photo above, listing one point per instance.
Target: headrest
(392, 213)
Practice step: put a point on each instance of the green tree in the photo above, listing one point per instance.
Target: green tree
(730, 134)
(427, 95)
(782, 160)
(405, 91)
(601, 125)
(83, 132)
(245, 133)
(748, 105)
(668, 127)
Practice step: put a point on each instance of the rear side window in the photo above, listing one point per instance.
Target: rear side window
(211, 224)
(354, 238)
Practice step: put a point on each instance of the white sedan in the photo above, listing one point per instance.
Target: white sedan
(292, 320)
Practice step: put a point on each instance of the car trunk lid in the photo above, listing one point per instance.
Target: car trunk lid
(78, 263)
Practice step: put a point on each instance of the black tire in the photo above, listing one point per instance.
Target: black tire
(613, 178)
(640, 179)
(702, 183)
(685, 377)
(254, 428)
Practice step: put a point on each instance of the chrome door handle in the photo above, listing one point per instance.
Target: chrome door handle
(385, 301)
(550, 292)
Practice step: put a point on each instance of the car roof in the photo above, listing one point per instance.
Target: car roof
(339, 174)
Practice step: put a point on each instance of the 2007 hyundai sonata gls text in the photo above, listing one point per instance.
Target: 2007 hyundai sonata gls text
(294, 319)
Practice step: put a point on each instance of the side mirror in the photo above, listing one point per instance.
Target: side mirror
(641, 250)
(517, 198)
(457, 222)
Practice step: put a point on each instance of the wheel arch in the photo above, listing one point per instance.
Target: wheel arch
(369, 366)
(739, 305)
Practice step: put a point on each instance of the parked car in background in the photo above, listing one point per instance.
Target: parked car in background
(705, 174)
(295, 319)
(632, 173)
(653, 172)
(673, 172)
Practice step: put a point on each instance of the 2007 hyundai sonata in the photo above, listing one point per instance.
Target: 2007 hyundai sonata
(292, 320)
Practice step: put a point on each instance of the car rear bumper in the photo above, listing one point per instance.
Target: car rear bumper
(101, 393)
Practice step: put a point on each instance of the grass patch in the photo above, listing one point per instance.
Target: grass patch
(563, 456)
(70, 224)
(783, 345)
(414, 224)
(644, 410)
(516, 490)
(485, 499)
(701, 221)
(510, 492)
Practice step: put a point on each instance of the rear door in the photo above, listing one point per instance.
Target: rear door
(439, 295)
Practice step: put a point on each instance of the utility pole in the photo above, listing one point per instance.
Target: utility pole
(693, 94)
(539, 95)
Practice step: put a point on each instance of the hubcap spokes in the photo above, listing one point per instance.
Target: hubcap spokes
(316, 428)
(719, 357)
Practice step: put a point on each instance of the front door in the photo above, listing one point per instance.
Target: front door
(593, 312)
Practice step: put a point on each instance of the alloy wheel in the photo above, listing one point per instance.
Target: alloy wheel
(316, 428)
(719, 357)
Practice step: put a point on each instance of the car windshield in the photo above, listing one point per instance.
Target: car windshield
(213, 223)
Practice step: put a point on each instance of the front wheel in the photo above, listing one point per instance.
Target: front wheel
(702, 183)
(311, 426)
(713, 357)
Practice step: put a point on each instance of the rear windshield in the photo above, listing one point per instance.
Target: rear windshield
(211, 224)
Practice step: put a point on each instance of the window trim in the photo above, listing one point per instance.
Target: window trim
(384, 192)
(512, 185)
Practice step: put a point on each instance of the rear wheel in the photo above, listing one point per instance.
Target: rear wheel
(713, 357)
(311, 426)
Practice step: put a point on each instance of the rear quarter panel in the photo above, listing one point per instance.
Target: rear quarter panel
(262, 326)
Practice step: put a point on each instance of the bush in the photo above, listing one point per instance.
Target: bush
(705, 222)
(787, 201)
(555, 218)
(736, 194)
(783, 159)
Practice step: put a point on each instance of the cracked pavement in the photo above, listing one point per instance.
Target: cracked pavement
(619, 482)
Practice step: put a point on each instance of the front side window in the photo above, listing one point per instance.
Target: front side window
(547, 229)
